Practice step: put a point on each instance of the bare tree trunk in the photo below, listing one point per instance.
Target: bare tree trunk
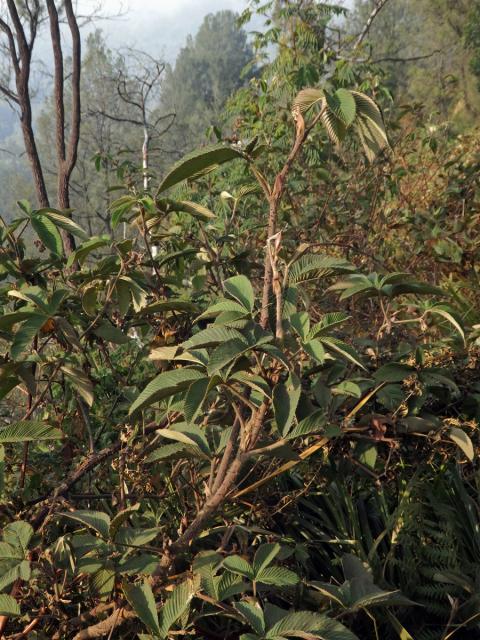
(21, 57)
(66, 157)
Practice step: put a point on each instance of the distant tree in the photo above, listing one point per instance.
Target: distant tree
(121, 127)
(208, 70)
(429, 51)
(19, 24)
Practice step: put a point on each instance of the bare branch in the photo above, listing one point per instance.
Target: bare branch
(378, 6)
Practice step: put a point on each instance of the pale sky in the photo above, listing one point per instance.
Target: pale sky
(157, 26)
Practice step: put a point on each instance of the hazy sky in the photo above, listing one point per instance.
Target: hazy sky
(158, 26)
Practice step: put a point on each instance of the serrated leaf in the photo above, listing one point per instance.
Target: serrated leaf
(64, 222)
(18, 534)
(393, 372)
(253, 614)
(219, 307)
(111, 333)
(240, 288)
(301, 323)
(205, 565)
(164, 385)
(311, 424)
(48, 233)
(190, 435)
(120, 518)
(29, 431)
(141, 599)
(313, 265)
(9, 606)
(194, 398)
(136, 537)
(102, 582)
(20, 571)
(307, 98)
(343, 105)
(166, 452)
(237, 564)
(175, 607)
(343, 349)
(211, 336)
(277, 576)
(264, 556)
(193, 208)
(448, 316)
(80, 382)
(226, 353)
(285, 402)
(143, 564)
(96, 520)
(82, 252)
(314, 624)
(25, 334)
(196, 162)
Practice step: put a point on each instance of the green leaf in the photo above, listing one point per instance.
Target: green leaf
(143, 564)
(343, 349)
(237, 564)
(25, 335)
(48, 233)
(277, 576)
(96, 520)
(190, 435)
(193, 208)
(343, 105)
(64, 222)
(315, 350)
(462, 440)
(164, 385)
(111, 333)
(120, 518)
(314, 624)
(211, 336)
(285, 402)
(226, 353)
(220, 306)
(2, 470)
(445, 313)
(29, 431)
(253, 614)
(9, 606)
(140, 598)
(82, 252)
(103, 581)
(175, 607)
(311, 424)
(370, 125)
(205, 565)
(18, 534)
(347, 388)
(230, 585)
(196, 162)
(194, 398)
(136, 537)
(312, 266)
(80, 382)
(20, 571)
(170, 305)
(393, 372)
(240, 288)
(301, 323)
(264, 556)
(166, 452)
